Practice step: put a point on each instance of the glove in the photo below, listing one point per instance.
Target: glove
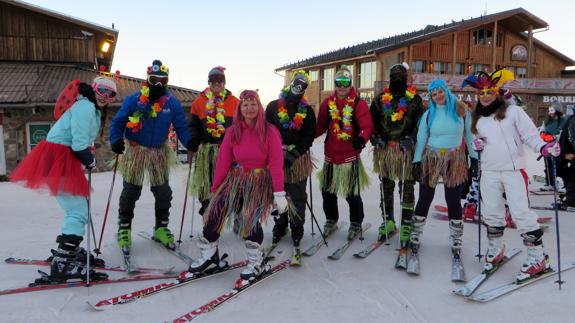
(358, 143)
(281, 202)
(416, 171)
(551, 149)
(289, 157)
(118, 147)
(85, 157)
(377, 141)
(478, 144)
(275, 214)
(474, 167)
(406, 143)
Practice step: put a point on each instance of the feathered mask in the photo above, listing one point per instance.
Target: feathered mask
(482, 80)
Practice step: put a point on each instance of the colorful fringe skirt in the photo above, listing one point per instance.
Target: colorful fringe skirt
(245, 195)
(341, 179)
(53, 168)
(391, 162)
(138, 160)
(449, 163)
(300, 170)
(203, 170)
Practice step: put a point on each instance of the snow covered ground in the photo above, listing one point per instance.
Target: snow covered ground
(322, 290)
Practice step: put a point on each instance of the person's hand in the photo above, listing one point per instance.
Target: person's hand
(281, 202)
(569, 156)
(478, 144)
(551, 149)
(118, 147)
(416, 171)
(358, 143)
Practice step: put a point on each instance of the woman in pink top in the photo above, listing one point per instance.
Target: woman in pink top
(248, 180)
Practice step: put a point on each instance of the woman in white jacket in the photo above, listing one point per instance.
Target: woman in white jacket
(500, 132)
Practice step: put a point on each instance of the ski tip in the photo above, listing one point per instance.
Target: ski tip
(94, 307)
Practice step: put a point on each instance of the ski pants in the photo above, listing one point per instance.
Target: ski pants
(131, 193)
(386, 198)
(452, 198)
(514, 184)
(570, 192)
(75, 214)
(210, 232)
(549, 176)
(331, 210)
(298, 195)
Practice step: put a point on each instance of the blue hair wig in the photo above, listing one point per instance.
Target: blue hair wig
(450, 100)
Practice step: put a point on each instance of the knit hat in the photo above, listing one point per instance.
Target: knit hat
(106, 82)
(557, 106)
(217, 73)
(158, 69)
(343, 73)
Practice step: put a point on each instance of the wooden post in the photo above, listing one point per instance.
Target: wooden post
(529, 50)
(454, 58)
(494, 47)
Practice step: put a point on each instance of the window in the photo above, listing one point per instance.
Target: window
(479, 37)
(367, 75)
(313, 75)
(441, 68)
(419, 66)
(485, 37)
(327, 80)
(367, 96)
(521, 72)
(460, 69)
(477, 68)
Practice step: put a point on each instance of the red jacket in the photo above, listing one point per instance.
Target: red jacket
(339, 151)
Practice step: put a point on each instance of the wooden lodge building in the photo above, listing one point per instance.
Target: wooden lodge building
(451, 52)
(40, 52)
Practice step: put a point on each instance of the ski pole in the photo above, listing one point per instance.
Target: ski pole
(97, 250)
(479, 255)
(401, 201)
(193, 213)
(88, 239)
(185, 202)
(314, 220)
(311, 204)
(358, 185)
(556, 207)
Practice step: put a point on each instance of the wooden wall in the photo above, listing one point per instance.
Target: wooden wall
(28, 36)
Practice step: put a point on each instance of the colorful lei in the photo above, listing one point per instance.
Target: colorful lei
(283, 115)
(346, 131)
(142, 112)
(215, 119)
(401, 105)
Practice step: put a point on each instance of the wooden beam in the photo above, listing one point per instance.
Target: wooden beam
(529, 50)
(453, 57)
(494, 46)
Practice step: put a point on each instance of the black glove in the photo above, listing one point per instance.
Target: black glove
(358, 143)
(417, 171)
(118, 147)
(85, 157)
(474, 167)
(192, 145)
(406, 143)
(290, 156)
(376, 141)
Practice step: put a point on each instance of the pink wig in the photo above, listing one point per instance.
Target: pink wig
(260, 126)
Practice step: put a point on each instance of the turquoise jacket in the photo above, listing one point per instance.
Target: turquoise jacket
(554, 126)
(444, 132)
(78, 126)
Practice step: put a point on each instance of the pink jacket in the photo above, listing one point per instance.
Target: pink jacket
(249, 155)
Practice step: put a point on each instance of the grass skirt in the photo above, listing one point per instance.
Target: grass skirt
(203, 170)
(449, 163)
(391, 162)
(138, 160)
(300, 170)
(341, 179)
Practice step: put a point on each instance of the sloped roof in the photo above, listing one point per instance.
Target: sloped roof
(40, 84)
(517, 20)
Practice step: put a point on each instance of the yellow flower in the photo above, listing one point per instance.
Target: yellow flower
(134, 119)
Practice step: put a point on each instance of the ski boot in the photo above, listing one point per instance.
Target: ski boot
(470, 212)
(417, 224)
(354, 230)
(256, 262)
(329, 227)
(386, 230)
(455, 234)
(496, 249)
(209, 257)
(537, 261)
(279, 231)
(65, 264)
(125, 240)
(165, 237)
(96, 262)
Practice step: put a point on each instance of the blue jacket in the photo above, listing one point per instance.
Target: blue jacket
(155, 130)
(77, 127)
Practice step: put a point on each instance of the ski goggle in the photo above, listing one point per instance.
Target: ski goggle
(343, 82)
(158, 80)
(217, 79)
(104, 91)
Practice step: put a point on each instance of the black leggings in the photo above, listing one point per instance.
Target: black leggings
(452, 198)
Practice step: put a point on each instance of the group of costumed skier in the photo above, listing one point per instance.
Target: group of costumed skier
(250, 163)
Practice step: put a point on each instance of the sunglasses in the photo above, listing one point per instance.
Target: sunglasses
(157, 80)
(217, 79)
(105, 92)
(343, 82)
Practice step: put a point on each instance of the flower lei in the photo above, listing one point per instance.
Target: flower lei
(299, 116)
(215, 119)
(135, 120)
(401, 105)
(341, 133)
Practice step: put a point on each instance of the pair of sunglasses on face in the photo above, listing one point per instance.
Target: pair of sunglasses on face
(157, 80)
(217, 79)
(105, 92)
(343, 82)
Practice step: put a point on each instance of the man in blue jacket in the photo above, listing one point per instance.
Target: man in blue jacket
(143, 124)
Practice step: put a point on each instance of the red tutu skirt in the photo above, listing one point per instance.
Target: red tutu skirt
(51, 167)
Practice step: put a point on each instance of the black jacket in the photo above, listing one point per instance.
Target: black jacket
(302, 139)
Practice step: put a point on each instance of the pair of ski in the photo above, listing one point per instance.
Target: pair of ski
(408, 260)
(295, 258)
(338, 253)
(468, 289)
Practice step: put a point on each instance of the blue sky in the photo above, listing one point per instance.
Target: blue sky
(252, 38)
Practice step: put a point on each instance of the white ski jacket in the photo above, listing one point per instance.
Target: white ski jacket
(504, 140)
